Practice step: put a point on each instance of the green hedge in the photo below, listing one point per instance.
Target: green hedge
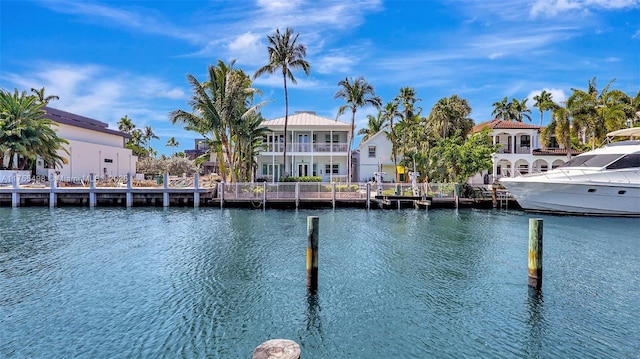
(302, 179)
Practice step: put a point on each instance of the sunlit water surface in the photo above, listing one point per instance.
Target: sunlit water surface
(149, 283)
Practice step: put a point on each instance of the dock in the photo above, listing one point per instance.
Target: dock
(258, 195)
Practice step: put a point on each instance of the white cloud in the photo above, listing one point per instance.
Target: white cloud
(552, 8)
(333, 64)
(100, 92)
(248, 49)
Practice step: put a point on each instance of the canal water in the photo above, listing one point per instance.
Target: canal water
(151, 283)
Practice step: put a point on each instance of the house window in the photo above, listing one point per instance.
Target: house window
(327, 169)
(327, 138)
(525, 141)
(372, 151)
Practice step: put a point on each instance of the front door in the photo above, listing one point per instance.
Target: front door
(303, 169)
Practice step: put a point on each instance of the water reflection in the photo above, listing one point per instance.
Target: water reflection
(536, 324)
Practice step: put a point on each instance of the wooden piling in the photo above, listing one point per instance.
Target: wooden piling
(277, 348)
(494, 196)
(535, 253)
(312, 253)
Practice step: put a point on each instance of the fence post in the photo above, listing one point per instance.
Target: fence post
(535, 253)
(313, 223)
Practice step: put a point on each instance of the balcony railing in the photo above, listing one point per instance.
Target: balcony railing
(519, 150)
(307, 147)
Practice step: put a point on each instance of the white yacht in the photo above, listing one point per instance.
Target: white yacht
(605, 181)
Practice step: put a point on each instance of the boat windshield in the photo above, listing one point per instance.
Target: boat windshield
(591, 160)
(629, 161)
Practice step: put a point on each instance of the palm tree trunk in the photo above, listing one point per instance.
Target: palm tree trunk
(286, 120)
(351, 129)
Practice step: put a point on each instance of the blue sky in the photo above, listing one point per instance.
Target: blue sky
(107, 59)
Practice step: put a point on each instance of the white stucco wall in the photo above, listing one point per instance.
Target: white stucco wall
(85, 158)
(383, 156)
(69, 132)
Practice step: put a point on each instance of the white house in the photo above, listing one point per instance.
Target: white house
(92, 148)
(316, 146)
(374, 155)
(521, 152)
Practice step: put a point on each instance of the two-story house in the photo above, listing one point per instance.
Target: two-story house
(521, 151)
(316, 146)
(375, 155)
(93, 148)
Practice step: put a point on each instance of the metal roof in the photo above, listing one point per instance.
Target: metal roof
(306, 118)
(71, 119)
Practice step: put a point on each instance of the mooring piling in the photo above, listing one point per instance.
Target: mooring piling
(312, 253)
(535, 253)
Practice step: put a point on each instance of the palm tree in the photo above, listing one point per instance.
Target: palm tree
(221, 106)
(519, 110)
(451, 114)
(407, 100)
(172, 143)
(285, 54)
(357, 93)
(502, 110)
(598, 112)
(25, 133)
(562, 120)
(375, 124)
(544, 102)
(126, 125)
(389, 113)
(42, 98)
(147, 136)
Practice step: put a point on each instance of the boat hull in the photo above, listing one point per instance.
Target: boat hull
(585, 198)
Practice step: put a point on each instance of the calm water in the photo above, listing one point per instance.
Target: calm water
(149, 283)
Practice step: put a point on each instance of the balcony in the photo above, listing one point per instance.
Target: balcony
(303, 147)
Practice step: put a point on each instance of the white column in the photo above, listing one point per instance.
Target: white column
(53, 197)
(196, 194)
(92, 190)
(165, 194)
(15, 196)
(129, 194)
